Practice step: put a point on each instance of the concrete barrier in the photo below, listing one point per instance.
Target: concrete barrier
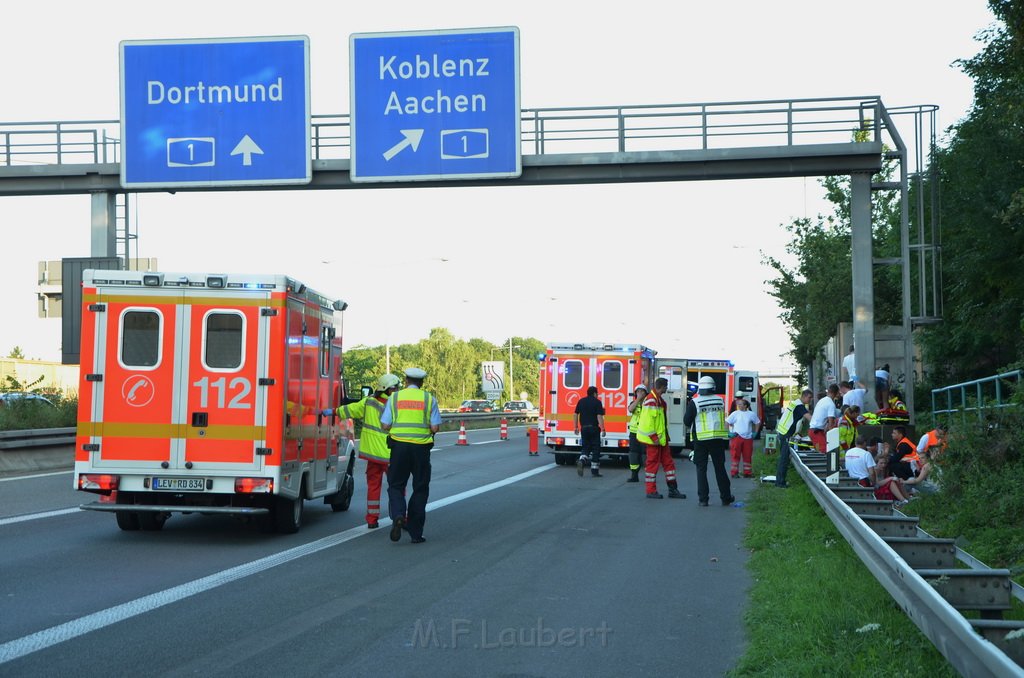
(37, 460)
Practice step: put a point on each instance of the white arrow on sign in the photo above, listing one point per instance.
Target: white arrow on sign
(412, 138)
(246, 147)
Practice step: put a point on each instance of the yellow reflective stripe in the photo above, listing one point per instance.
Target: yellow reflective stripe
(165, 431)
(133, 297)
(569, 417)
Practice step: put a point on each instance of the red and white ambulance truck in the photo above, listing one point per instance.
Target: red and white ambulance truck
(567, 370)
(203, 393)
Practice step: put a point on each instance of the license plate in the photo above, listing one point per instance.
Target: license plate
(180, 484)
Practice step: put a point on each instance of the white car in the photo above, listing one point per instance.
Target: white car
(17, 396)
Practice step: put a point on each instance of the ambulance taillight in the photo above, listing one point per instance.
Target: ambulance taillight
(98, 483)
(254, 485)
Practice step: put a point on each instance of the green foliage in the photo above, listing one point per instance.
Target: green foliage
(26, 414)
(812, 599)
(982, 227)
(816, 294)
(16, 353)
(453, 364)
(981, 476)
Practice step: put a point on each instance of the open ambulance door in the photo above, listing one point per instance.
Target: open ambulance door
(674, 370)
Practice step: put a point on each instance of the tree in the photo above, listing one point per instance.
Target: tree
(982, 227)
(16, 353)
(817, 293)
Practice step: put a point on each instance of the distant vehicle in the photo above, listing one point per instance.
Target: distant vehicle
(519, 407)
(17, 396)
(477, 406)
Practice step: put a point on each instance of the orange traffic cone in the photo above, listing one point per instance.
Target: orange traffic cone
(462, 434)
(504, 429)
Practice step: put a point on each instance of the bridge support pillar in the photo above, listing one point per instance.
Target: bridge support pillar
(863, 280)
(103, 234)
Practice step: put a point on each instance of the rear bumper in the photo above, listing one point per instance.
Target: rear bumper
(169, 508)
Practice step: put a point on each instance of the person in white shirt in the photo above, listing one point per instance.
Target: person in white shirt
(852, 397)
(824, 417)
(860, 464)
(743, 425)
(850, 366)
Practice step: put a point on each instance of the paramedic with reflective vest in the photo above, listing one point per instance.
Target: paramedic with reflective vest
(373, 441)
(933, 442)
(652, 431)
(705, 412)
(411, 418)
(637, 450)
(792, 415)
(904, 462)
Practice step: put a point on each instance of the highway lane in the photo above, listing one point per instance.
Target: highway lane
(549, 575)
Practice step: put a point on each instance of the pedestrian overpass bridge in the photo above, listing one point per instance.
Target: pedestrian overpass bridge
(854, 136)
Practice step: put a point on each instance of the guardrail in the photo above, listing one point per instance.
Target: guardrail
(37, 437)
(978, 396)
(919, 575)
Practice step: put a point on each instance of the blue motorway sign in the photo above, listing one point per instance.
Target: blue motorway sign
(218, 112)
(432, 105)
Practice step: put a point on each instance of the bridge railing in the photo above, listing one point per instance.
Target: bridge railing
(980, 397)
(633, 128)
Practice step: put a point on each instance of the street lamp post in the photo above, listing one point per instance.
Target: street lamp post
(511, 379)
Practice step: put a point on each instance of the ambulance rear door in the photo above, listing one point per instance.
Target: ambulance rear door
(612, 376)
(224, 354)
(674, 371)
(134, 377)
(747, 386)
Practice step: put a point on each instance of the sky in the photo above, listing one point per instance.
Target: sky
(602, 263)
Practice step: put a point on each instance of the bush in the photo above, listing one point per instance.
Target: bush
(26, 414)
(981, 500)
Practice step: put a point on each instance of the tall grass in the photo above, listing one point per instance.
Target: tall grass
(815, 609)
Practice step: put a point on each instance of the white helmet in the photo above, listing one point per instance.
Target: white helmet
(387, 381)
(706, 383)
(641, 387)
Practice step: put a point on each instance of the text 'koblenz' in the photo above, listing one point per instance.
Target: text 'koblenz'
(433, 68)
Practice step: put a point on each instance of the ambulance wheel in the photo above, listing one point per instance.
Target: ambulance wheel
(343, 499)
(288, 515)
(127, 520)
(152, 522)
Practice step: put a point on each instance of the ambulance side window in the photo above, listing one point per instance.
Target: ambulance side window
(572, 375)
(223, 339)
(674, 375)
(745, 384)
(140, 338)
(611, 375)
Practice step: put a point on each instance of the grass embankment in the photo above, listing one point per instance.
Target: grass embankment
(20, 415)
(815, 609)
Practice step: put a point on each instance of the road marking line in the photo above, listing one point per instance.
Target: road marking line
(54, 635)
(37, 475)
(37, 516)
(487, 442)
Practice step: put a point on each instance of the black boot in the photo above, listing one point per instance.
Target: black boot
(634, 476)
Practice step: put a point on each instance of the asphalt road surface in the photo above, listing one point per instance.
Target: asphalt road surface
(528, 570)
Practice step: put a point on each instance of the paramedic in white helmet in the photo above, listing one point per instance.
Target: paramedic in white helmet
(705, 412)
